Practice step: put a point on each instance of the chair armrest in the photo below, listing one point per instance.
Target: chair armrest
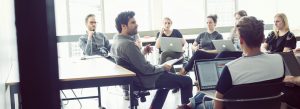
(238, 100)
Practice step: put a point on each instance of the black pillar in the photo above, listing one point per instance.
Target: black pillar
(37, 53)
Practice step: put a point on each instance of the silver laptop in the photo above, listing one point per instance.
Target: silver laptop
(208, 72)
(171, 44)
(224, 45)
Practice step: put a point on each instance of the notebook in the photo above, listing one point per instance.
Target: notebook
(208, 72)
(171, 44)
(224, 45)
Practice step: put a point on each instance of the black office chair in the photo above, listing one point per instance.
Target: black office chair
(252, 96)
(139, 91)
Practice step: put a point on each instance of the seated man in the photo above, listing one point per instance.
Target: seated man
(248, 68)
(158, 77)
(93, 43)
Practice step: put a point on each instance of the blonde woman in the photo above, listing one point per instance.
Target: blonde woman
(167, 31)
(280, 39)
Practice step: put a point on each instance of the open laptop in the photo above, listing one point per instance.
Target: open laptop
(208, 72)
(171, 44)
(291, 64)
(224, 45)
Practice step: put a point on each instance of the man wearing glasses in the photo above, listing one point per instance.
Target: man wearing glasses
(93, 43)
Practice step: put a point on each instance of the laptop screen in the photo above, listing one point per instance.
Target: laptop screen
(209, 71)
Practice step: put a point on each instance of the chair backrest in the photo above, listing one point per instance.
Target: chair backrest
(254, 96)
(129, 66)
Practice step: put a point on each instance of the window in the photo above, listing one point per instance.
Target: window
(261, 9)
(290, 8)
(113, 7)
(70, 15)
(184, 14)
(224, 9)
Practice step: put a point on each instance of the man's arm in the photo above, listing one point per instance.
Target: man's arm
(218, 104)
(292, 79)
(85, 45)
(138, 60)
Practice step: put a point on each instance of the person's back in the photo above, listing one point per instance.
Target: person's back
(256, 69)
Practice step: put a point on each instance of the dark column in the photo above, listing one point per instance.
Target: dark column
(37, 53)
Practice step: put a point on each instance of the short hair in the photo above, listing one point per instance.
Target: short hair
(251, 30)
(214, 17)
(285, 22)
(168, 18)
(241, 13)
(123, 18)
(88, 16)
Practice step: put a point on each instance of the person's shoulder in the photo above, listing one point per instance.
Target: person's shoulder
(234, 62)
(83, 38)
(217, 33)
(175, 30)
(271, 34)
(272, 56)
(290, 34)
(100, 34)
(202, 34)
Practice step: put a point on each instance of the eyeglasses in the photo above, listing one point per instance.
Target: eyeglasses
(167, 22)
(92, 22)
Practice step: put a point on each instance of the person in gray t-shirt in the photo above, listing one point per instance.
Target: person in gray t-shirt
(202, 46)
(93, 43)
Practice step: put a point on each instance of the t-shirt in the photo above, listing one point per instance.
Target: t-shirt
(249, 70)
(175, 34)
(205, 40)
(278, 44)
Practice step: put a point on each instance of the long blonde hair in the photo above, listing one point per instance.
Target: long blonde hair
(285, 22)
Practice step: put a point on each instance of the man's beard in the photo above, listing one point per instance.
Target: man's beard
(134, 32)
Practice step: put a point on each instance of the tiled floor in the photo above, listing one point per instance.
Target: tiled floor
(112, 98)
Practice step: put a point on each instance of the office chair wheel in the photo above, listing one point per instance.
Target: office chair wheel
(143, 99)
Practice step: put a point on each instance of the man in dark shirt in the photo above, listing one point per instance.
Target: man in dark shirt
(158, 77)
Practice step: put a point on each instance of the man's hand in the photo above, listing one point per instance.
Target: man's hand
(90, 34)
(167, 67)
(288, 79)
(182, 72)
(297, 50)
(148, 49)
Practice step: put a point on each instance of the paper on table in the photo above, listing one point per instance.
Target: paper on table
(173, 61)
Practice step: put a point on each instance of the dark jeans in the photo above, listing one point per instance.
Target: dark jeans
(196, 101)
(291, 96)
(168, 81)
(169, 55)
(205, 55)
(199, 54)
(227, 54)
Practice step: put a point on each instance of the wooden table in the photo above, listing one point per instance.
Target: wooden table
(151, 40)
(75, 73)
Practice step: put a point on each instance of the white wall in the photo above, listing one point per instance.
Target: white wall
(8, 47)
